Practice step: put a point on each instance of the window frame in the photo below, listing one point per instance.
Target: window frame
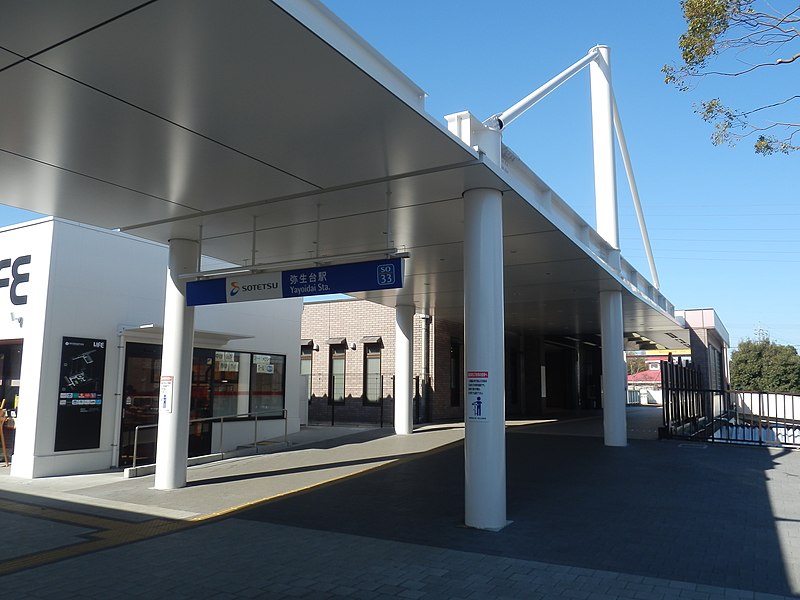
(337, 352)
(372, 351)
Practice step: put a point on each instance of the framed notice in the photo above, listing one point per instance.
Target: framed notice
(478, 406)
(165, 390)
(80, 395)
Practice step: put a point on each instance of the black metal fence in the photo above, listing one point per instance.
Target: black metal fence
(731, 416)
(351, 399)
(362, 399)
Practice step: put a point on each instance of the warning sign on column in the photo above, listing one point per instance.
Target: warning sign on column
(477, 400)
(165, 393)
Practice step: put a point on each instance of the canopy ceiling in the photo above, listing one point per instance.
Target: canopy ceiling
(270, 131)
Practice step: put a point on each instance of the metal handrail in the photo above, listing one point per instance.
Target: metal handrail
(221, 419)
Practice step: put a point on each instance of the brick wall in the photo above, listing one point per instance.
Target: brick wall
(444, 333)
(354, 320)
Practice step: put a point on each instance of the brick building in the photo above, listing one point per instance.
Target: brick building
(347, 351)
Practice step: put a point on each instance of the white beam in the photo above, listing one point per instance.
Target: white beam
(605, 183)
(503, 119)
(637, 204)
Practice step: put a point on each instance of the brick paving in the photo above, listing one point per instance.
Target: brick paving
(656, 520)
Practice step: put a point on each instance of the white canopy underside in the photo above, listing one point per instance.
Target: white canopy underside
(256, 126)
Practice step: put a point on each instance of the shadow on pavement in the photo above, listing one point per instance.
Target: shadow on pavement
(688, 512)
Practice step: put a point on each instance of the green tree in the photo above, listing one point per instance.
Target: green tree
(743, 37)
(636, 364)
(764, 366)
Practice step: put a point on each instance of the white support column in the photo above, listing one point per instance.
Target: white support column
(484, 337)
(403, 360)
(176, 362)
(484, 407)
(614, 372)
(605, 189)
(605, 175)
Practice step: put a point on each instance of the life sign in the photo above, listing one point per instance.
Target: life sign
(315, 281)
(17, 277)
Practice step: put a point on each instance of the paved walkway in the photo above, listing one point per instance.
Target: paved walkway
(651, 521)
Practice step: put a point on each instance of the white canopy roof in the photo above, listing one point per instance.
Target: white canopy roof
(271, 130)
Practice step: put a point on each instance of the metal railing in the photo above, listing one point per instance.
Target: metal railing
(738, 417)
(764, 418)
(221, 419)
(729, 416)
(351, 398)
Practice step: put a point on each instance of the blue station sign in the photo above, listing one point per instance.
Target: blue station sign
(315, 281)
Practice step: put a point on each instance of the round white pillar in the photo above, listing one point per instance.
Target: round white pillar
(605, 178)
(176, 369)
(403, 361)
(484, 405)
(614, 372)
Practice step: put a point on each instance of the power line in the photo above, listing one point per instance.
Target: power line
(705, 258)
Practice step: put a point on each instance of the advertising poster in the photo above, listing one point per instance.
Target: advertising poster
(80, 397)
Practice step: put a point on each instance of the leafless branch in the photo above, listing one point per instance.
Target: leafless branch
(776, 104)
(780, 61)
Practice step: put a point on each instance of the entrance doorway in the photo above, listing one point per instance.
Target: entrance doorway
(140, 402)
(561, 363)
(10, 368)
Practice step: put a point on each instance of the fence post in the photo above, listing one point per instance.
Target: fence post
(381, 397)
(135, 444)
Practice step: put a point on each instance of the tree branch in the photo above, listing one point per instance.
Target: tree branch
(780, 61)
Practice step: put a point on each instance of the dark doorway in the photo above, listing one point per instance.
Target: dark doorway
(10, 368)
(456, 372)
(513, 405)
(561, 377)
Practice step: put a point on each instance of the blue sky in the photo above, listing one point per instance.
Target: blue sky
(723, 221)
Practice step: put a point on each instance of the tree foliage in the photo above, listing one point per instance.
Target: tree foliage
(764, 366)
(760, 35)
(636, 364)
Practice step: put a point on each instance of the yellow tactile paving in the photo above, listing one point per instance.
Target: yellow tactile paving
(107, 533)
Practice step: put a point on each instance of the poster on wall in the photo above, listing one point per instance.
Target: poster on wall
(80, 397)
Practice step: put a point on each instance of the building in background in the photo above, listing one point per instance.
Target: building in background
(347, 354)
(709, 342)
(707, 351)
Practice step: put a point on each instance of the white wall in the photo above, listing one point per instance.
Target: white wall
(99, 280)
(94, 282)
(34, 239)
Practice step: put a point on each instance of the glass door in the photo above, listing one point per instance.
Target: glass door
(10, 367)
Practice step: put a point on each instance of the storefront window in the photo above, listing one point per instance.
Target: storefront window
(140, 402)
(267, 382)
(227, 367)
(224, 383)
(10, 368)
